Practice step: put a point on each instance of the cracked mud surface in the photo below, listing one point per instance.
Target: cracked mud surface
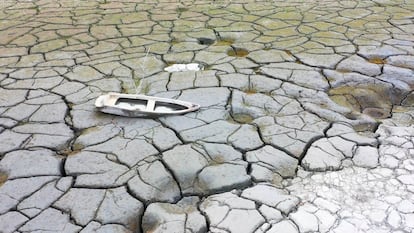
(306, 119)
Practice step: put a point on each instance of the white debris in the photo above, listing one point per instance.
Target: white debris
(183, 67)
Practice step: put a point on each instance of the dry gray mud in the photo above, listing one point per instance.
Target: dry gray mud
(306, 119)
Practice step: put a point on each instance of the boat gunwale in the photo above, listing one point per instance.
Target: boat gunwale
(102, 104)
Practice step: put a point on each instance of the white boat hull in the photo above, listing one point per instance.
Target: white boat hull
(142, 106)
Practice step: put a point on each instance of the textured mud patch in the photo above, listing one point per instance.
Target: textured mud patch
(242, 118)
(237, 52)
(373, 100)
(3, 178)
(224, 42)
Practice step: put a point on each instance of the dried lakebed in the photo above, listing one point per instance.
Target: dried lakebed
(306, 119)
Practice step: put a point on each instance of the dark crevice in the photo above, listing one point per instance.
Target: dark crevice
(310, 142)
(62, 167)
(131, 193)
(173, 175)
(177, 134)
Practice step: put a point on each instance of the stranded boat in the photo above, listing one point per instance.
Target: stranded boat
(141, 105)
